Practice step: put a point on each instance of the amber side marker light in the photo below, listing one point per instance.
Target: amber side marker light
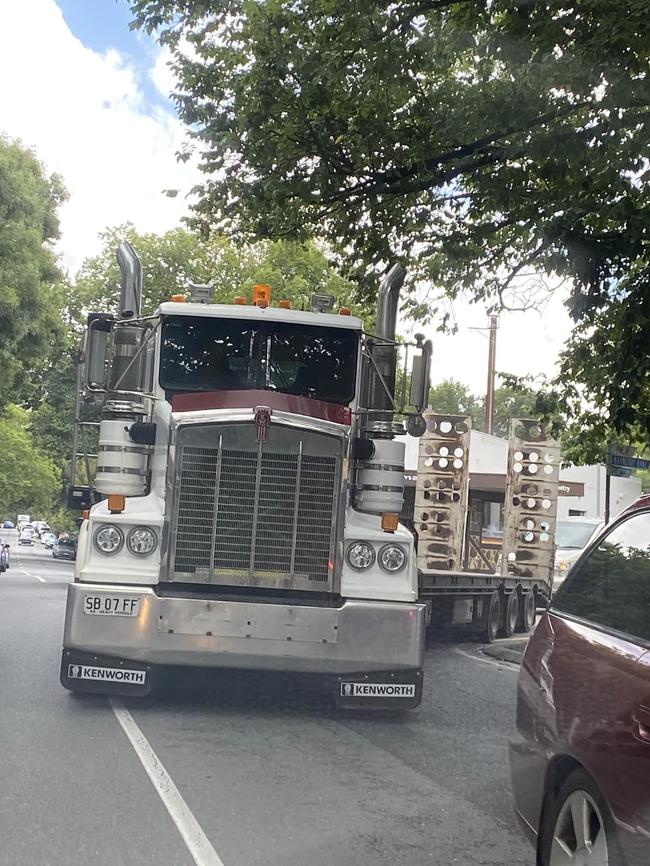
(389, 522)
(116, 503)
(85, 514)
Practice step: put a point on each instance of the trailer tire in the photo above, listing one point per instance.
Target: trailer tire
(510, 617)
(527, 612)
(491, 618)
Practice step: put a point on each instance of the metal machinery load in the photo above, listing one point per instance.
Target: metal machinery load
(493, 601)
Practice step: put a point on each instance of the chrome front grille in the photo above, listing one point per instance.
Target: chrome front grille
(261, 514)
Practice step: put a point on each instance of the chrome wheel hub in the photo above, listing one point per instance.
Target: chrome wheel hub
(579, 837)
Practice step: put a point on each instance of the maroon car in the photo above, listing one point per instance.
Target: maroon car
(580, 760)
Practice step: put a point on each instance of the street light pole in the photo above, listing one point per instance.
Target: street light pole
(489, 394)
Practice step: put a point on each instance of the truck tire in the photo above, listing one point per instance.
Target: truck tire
(491, 619)
(510, 614)
(527, 612)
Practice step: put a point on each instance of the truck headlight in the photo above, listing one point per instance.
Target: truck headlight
(108, 539)
(392, 557)
(142, 541)
(360, 555)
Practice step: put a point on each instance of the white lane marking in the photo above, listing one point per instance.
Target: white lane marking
(502, 666)
(197, 842)
(29, 574)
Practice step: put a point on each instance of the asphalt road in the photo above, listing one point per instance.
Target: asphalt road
(268, 771)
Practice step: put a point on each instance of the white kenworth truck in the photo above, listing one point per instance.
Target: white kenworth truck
(246, 499)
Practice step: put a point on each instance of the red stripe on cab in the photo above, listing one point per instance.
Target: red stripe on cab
(197, 400)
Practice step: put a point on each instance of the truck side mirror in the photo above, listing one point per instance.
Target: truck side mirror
(95, 354)
(420, 377)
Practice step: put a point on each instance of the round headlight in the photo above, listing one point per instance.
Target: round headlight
(392, 557)
(360, 555)
(109, 539)
(142, 541)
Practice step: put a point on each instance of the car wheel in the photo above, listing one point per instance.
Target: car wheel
(578, 827)
(527, 611)
(510, 614)
(491, 618)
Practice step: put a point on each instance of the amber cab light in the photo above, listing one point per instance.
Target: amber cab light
(262, 292)
(285, 304)
(116, 503)
(240, 300)
(344, 311)
(389, 522)
(178, 299)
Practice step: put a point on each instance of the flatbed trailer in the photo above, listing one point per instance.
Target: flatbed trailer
(470, 599)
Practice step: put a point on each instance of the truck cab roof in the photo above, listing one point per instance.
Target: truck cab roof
(262, 314)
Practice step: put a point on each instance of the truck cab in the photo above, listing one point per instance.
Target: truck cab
(248, 484)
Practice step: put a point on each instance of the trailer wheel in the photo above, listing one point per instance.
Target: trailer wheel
(527, 612)
(491, 619)
(510, 614)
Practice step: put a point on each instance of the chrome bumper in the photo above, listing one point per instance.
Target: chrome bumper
(358, 636)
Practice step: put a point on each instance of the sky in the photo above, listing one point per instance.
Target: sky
(92, 99)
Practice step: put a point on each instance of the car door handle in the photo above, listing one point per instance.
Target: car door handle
(641, 719)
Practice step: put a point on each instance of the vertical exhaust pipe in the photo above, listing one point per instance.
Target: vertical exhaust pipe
(384, 353)
(126, 375)
(131, 284)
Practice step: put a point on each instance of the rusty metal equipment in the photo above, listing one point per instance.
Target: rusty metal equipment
(441, 492)
(530, 503)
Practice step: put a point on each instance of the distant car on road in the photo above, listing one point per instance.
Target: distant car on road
(64, 548)
(580, 760)
(39, 526)
(48, 539)
(8, 524)
(571, 537)
(26, 535)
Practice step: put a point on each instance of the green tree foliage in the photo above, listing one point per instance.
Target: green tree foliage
(29, 480)
(454, 398)
(30, 324)
(174, 260)
(509, 402)
(513, 403)
(477, 141)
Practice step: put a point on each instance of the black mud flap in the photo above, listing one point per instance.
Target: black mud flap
(105, 675)
(392, 690)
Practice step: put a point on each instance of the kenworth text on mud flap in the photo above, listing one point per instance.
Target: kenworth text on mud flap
(245, 505)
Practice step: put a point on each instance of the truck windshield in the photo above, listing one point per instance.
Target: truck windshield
(207, 354)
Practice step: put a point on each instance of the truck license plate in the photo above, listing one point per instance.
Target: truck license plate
(112, 605)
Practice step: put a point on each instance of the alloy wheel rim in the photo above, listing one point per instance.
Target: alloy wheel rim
(579, 837)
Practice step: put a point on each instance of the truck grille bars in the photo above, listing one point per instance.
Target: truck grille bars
(256, 513)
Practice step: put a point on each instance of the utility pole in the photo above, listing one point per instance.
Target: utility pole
(489, 394)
